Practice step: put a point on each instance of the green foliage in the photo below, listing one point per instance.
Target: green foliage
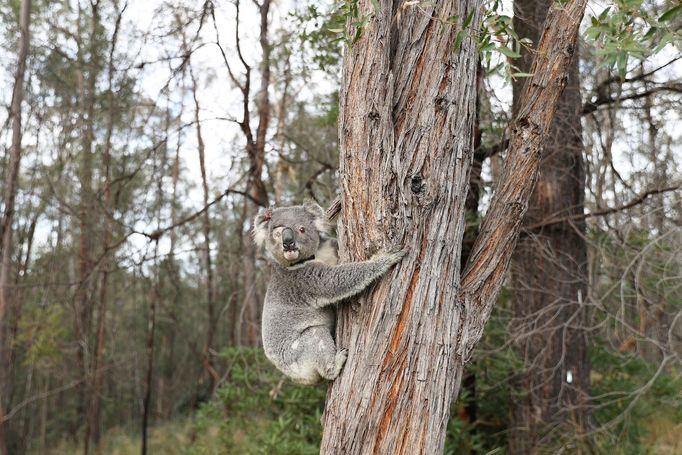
(257, 411)
(493, 365)
(497, 35)
(318, 36)
(629, 393)
(42, 332)
(631, 29)
(348, 22)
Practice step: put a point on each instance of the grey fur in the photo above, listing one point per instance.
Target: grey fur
(299, 312)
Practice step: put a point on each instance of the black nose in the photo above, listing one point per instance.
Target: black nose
(288, 240)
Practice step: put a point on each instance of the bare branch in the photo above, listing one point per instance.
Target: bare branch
(222, 52)
(636, 201)
(636, 78)
(602, 100)
(155, 235)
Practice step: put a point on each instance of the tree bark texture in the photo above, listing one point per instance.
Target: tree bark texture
(549, 271)
(9, 198)
(406, 130)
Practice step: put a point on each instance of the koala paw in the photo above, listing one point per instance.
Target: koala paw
(390, 257)
(339, 362)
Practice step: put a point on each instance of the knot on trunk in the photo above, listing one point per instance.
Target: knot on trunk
(417, 184)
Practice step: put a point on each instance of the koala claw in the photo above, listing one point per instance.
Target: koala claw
(400, 252)
(391, 257)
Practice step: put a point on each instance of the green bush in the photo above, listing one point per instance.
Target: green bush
(258, 411)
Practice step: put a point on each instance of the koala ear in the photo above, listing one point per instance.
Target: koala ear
(260, 226)
(322, 223)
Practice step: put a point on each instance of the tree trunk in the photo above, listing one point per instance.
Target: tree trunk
(151, 331)
(406, 129)
(174, 276)
(206, 228)
(9, 197)
(281, 168)
(258, 195)
(92, 426)
(549, 272)
(88, 66)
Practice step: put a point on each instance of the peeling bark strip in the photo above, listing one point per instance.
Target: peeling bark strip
(407, 112)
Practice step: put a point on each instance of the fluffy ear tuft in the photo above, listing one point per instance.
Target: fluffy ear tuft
(322, 223)
(260, 226)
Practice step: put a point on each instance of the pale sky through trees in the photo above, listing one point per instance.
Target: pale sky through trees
(219, 100)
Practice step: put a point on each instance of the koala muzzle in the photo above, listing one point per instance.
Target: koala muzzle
(288, 239)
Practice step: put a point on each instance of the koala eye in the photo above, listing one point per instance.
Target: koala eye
(301, 229)
(277, 232)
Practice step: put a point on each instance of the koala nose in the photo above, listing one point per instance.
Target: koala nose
(288, 240)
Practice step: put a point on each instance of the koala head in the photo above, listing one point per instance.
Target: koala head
(290, 234)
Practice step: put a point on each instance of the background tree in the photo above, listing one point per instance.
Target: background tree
(549, 271)
(9, 197)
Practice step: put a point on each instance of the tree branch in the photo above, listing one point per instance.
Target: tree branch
(636, 201)
(155, 235)
(602, 100)
(490, 256)
(602, 85)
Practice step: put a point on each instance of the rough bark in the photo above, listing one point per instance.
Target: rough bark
(406, 129)
(549, 272)
(9, 198)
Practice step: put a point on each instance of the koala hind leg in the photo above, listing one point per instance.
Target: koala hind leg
(321, 353)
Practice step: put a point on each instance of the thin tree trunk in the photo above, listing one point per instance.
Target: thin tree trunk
(255, 149)
(9, 197)
(248, 317)
(151, 330)
(206, 226)
(549, 272)
(406, 129)
(83, 315)
(92, 428)
(44, 412)
(282, 167)
(155, 300)
(174, 273)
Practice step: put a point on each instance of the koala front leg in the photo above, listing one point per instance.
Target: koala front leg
(339, 282)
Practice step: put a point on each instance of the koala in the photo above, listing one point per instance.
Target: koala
(305, 283)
